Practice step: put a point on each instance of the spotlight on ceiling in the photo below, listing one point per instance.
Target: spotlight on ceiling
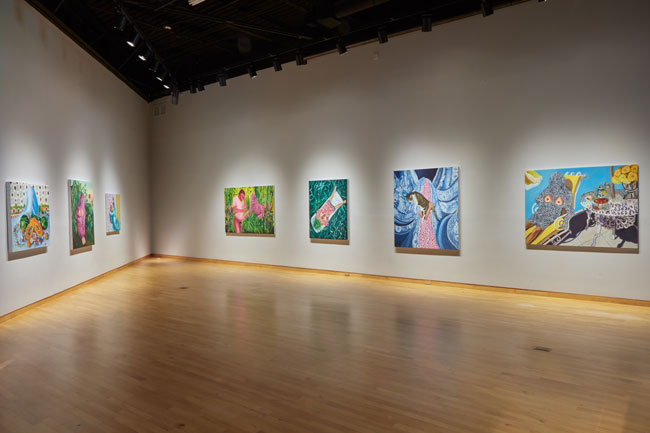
(222, 79)
(300, 59)
(133, 42)
(161, 75)
(194, 2)
(427, 23)
(252, 72)
(155, 67)
(145, 56)
(175, 96)
(277, 65)
(486, 7)
(341, 48)
(192, 88)
(166, 86)
(382, 37)
(121, 24)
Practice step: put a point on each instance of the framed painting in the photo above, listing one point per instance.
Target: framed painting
(28, 216)
(250, 210)
(328, 209)
(82, 212)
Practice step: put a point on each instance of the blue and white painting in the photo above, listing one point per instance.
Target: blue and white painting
(28, 216)
(426, 208)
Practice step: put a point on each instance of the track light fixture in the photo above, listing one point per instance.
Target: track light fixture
(222, 77)
(277, 65)
(382, 37)
(341, 48)
(192, 88)
(175, 96)
(300, 59)
(121, 24)
(200, 86)
(427, 22)
(155, 67)
(166, 86)
(133, 42)
(486, 7)
(161, 76)
(145, 56)
(252, 72)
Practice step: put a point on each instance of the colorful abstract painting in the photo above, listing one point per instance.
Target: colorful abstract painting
(328, 210)
(113, 213)
(585, 208)
(426, 208)
(82, 214)
(250, 209)
(28, 216)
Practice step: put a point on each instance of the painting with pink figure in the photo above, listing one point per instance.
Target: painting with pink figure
(82, 214)
(250, 209)
(426, 208)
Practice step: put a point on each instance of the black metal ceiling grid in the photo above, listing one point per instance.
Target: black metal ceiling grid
(196, 43)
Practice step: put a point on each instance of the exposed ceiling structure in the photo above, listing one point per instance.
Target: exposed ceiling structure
(186, 44)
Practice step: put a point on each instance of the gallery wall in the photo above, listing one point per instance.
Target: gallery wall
(537, 85)
(64, 116)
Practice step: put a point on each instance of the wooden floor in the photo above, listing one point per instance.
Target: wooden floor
(170, 346)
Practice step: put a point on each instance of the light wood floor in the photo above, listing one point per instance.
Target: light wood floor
(244, 349)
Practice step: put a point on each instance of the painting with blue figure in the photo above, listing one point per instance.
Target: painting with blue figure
(426, 208)
(583, 208)
(113, 213)
(28, 216)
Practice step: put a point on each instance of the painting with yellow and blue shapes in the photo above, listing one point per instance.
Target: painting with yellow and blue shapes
(586, 208)
(28, 216)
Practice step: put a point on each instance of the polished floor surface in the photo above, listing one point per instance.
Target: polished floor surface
(171, 346)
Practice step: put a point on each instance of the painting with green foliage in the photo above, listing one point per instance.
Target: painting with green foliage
(82, 214)
(250, 209)
(328, 210)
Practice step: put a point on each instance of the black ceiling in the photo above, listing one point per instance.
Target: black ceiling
(196, 43)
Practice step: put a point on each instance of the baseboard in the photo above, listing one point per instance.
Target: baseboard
(513, 290)
(50, 298)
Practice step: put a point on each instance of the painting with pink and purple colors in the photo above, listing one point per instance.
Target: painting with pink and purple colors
(82, 212)
(426, 208)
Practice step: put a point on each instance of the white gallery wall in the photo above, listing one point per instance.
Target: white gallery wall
(64, 116)
(538, 85)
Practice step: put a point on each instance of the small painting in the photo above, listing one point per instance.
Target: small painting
(328, 209)
(82, 214)
(113, 214)
(585, 208)
(426, 208)
(28, 216)
(250, 210)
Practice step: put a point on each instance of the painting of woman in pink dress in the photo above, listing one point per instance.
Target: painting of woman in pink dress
(83, 215)
(250, 210)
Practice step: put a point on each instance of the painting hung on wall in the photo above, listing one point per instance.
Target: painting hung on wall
(113, 215)
(82, 214)
(583, 208)
(328, 210)
(426, 208)
(28, 216)
(250, 210)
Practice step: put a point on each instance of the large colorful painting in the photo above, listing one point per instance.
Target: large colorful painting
(28, 216)
(426, 208)
(113, 214)
(82, 212)
(328, 210)
(583, 208)
(250, 210)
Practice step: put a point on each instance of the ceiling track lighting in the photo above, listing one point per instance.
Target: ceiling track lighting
(200, 86)
(252, 72)
(175, 96)
(427, 22)
(155, 67)
(161, 76)
(486, 7)
(145, 56)
(223, 77)
(382, 36)
(300, 59)
(192, 88)
(133, 42)
(277, 65)
(121, 24)
(341, 48)
(166, 86)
